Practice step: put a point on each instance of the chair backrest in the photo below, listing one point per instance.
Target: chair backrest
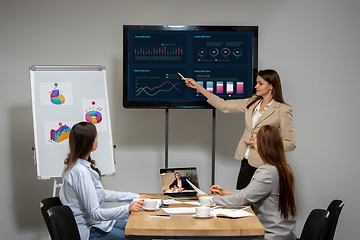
(315, 224)
(63, 223)
(334, 209)
(45, 205)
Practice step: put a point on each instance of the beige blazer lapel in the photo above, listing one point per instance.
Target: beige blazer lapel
(249, 116)
(272, 108)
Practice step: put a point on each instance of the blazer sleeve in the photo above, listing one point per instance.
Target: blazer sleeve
(174, 183)
(228, 106)
(261, 185)
(287, 128)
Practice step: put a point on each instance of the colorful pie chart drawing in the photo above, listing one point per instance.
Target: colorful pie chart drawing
(56, 97)
(60, 134)
(93, 115)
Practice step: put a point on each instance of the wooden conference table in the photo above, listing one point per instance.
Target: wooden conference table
(141, 226)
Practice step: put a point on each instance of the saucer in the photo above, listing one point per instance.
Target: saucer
(209, 216)
(211, 205)
(150, 209)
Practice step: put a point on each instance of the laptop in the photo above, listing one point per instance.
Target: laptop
(174, 182)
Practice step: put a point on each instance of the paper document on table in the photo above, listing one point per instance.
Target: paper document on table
(171, 201)
(230, 213)
(193, 203)
(179, 210)
(194, 187)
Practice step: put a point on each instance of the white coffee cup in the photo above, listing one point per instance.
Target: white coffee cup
(206, 201)
(202, 211)
(150, 203)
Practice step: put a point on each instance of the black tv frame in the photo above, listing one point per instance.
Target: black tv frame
(179, 104)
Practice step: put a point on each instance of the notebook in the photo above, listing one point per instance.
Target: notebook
(174, 182)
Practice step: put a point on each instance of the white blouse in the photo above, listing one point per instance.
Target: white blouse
(255, 117)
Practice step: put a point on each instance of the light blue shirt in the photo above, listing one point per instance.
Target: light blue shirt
(83, 192)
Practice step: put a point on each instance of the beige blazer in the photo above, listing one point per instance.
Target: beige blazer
(278, 115)
(263, 194)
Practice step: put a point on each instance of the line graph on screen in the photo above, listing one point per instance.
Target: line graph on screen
(160, 89)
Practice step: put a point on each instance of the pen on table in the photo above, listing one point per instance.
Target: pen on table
(159, 215)
(217, 188)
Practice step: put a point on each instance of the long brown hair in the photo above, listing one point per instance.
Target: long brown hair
(272, 77)
(271, 150)
(82, 137)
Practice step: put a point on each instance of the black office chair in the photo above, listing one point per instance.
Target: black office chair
(314, 228)
(63, 223)
(45, 205)
(334, 209)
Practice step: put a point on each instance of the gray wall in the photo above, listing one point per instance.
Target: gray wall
(312, 44)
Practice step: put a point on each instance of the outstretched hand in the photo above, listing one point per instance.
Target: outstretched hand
(191, 83)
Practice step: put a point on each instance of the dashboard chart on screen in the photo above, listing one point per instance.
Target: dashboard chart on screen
(223, 59)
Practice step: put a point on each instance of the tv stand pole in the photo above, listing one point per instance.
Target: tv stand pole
(166, 138)
(212, 148)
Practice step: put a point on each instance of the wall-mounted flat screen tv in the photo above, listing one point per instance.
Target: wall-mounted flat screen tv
(223, 59)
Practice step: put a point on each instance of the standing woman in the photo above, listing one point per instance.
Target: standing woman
(266, 107)
(271, 190)
(83, 192)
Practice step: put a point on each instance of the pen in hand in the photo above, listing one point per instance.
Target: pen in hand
(217, 188)
(182, 77)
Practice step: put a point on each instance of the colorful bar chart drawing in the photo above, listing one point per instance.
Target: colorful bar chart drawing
(240, 88)
(229, 87)
(158, 51)
(60, 134)
(219, 87)
(210, 86)
(201, 83)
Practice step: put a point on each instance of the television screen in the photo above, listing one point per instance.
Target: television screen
(223, 59)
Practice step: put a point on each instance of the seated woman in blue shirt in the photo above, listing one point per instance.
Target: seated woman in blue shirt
(270, 191)
(83, 192)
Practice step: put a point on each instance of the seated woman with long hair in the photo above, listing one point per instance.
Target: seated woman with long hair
(83, 192)
(270, 191)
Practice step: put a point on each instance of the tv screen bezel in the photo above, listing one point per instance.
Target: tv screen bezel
(180, 104)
